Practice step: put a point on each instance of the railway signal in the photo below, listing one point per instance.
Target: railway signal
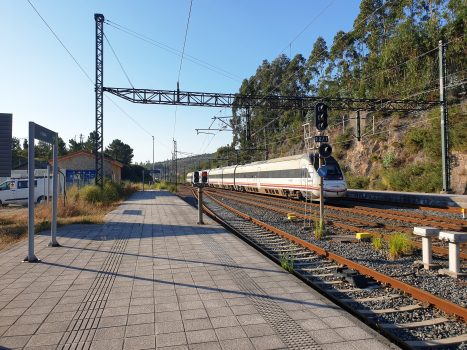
(321, 116)
(196, 177)
(204, 177)
(325, 150)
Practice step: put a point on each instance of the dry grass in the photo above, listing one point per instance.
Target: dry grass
(14, 223)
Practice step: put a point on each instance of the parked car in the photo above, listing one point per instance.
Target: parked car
(15, 191)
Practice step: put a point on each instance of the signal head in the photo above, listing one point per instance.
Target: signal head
(321, 116)
(196, 177)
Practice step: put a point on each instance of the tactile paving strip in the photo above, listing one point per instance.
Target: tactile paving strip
(294, 336)
(82, 327)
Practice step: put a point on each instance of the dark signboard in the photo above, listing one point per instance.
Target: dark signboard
(6, 124)
(43, 134)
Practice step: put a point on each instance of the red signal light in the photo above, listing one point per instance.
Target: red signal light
(205, 173)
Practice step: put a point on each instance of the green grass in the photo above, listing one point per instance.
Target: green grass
(398, 245)
(378, 242)
(319, 228)
(286, 259)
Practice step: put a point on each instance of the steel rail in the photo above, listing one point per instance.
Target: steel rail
(383, 215)
(345, 306)
(416, 293)
(436, 249)
(461, 224)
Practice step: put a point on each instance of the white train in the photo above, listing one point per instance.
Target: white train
(290, 177)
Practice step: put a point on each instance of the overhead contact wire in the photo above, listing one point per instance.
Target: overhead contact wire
(85, 71)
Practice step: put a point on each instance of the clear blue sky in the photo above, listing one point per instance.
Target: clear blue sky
(40, 82)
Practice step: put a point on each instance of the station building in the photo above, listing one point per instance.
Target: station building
(80, 168)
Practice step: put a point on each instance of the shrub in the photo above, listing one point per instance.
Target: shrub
(92, 194)
(399, 244)
(319, 228)
(286, 259)
(375, 157)
(378, 242)
(357, 182)
(344, 141)
(110, 193)
(389, 159)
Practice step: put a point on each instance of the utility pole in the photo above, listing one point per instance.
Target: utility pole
(153, 176)
(444, 120)
(99, 88)
(248, 131)
(358, 127)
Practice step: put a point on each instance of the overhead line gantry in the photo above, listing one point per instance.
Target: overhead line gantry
(270, 101)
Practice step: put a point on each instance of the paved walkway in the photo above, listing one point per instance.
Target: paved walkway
(150, 277)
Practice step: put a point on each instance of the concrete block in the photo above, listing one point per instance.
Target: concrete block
(453, 237)
(426, 231)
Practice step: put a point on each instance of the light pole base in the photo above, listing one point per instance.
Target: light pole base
(56, 244)
(200, 223)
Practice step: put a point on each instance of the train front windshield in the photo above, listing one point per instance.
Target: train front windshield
(334, 171)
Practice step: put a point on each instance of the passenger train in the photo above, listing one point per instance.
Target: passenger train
(290, 177)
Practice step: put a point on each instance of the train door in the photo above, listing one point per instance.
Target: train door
(304, 178)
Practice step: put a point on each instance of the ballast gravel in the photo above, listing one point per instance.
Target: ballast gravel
(403, 269)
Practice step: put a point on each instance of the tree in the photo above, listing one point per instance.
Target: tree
(15, 144)
(62, 150)
(25, 144)
(90, 144)
(120, 151)
(75, 146)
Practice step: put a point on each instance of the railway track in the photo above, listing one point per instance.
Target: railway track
(440, 209)
(370, 220)
(417, 319)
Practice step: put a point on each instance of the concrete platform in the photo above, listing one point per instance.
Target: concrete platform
(446, 200)
(151, 278)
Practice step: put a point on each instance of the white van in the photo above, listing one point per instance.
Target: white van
(15, 191)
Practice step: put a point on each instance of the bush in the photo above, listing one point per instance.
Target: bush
(414, 178)
(389, 159)
(375, 157)
(92, 194)
(110, 193)
(319, 228)
(399, 244)
(286, 259)
(378, 242)
(357, 182)
(344, 141)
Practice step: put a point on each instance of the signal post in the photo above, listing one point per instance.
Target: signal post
(325, 151)
(200, 185)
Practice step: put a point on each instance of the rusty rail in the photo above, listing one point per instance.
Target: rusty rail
(436, 249)
(416, 293)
